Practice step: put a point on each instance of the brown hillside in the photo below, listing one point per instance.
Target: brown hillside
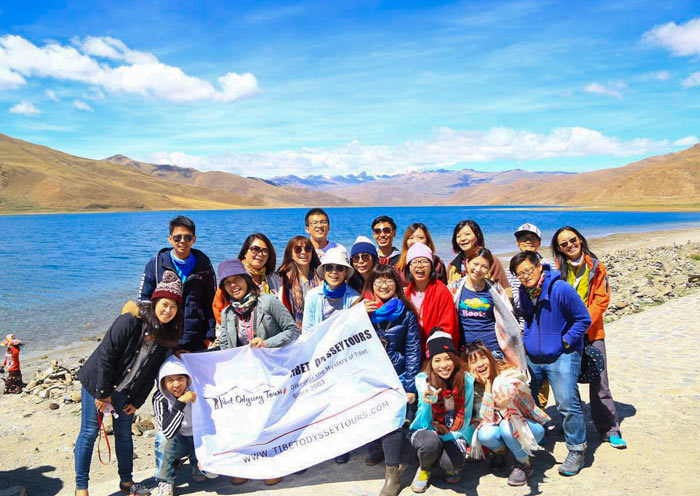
(665, 180)
(271, 194)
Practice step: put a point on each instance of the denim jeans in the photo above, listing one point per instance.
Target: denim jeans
(123, 444)
(563, 376)
(169, 450)
(498, 436)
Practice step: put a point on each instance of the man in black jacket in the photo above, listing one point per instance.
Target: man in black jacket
(198, 279)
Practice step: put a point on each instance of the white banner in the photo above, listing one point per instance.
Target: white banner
(265, 413)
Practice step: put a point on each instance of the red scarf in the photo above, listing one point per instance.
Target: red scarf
(439, 411)
(438, 310)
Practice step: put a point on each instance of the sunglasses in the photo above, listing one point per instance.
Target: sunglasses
(572, 241)
(365, 257)
(306, 248)
(179, 237)
(256, 250)
(380, 230)
(332, 267)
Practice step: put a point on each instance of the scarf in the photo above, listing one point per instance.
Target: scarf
(535, 292)
(338, 292)
(505, 381)
(388, 312)
(261, 273)
(243, 307)
(183, 267)
(293, 297)
(449, 406)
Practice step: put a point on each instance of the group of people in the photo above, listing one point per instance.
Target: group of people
(475, 346)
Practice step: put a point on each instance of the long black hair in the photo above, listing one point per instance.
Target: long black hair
(559, 255)
(387, 272)
(288, 269)
(167, 335)
(475, 229)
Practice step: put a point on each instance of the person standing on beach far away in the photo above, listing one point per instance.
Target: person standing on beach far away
(528, 237)
(467, 239)
(198, 279)
(252, 318)
(555, 321)
(396, 324)
(429, 296)
(298, 275)
(418, 233)
(363, 257)
(318, 225)
(120, 374)
(581, 268)
(384, 232)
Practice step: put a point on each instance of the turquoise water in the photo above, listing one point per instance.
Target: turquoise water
(66, 276)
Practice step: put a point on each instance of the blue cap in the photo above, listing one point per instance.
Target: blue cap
(363, 245)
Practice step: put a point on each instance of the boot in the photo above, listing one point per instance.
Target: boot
(392, 482)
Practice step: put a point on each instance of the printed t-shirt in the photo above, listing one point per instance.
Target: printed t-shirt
(477, 317)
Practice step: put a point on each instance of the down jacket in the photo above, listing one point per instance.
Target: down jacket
(401, 339)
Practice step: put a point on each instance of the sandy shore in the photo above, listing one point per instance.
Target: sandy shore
(652, 358)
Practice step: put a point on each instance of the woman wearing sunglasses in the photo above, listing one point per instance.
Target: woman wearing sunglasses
(582, 269)
(334, 295)
(418, 233)
(429, 295)
(298, 275)
(363, 257)
(259, 259)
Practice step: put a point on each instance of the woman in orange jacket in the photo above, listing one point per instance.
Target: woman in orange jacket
(582, 269)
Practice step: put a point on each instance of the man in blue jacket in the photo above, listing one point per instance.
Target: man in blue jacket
(198, 280)
(556, 320)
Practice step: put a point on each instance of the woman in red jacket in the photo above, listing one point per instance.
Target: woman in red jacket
(13, 383)
(429, 295)
(582, 269)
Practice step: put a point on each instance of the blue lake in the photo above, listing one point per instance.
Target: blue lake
(67, 276)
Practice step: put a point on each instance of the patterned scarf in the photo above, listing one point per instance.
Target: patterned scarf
(535, 292)
(295, 296)
(243, 307)
(449, 406)
(261, 273)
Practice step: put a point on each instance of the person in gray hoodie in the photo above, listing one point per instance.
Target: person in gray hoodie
(172, 406)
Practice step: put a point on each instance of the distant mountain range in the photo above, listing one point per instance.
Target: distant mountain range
(35, 178)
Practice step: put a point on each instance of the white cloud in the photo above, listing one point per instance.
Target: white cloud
(94, 94)
(448, 147)
(682, 40)
(51, 95)
(81, 105)
(692, 80)
(10, 80)
(657, 75)
(25, 107)
(613, 88)
(143, 74)
(687, 141)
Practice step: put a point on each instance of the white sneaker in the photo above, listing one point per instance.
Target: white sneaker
(165, 489)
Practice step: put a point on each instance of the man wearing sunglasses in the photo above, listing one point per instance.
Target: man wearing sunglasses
(198, 280)
(384, 232)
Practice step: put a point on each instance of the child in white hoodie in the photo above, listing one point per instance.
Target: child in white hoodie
(173, 410)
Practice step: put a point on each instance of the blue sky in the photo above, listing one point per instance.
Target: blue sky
(268, 88)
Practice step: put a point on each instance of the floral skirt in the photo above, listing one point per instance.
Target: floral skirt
(13, 383)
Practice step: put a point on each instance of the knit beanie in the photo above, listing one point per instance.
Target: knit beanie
(169, 287)
(418, 250)
(363, 244)
(439, 342)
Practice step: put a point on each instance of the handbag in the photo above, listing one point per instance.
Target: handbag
(592, 364)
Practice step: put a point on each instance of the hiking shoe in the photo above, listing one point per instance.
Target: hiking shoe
(344, 458)
(519, 474)
(572, 464)
(165, 489)
(197, 474)
(452, 477)
(135, 489)
(617, 442)
(374, 457)
(420, 481)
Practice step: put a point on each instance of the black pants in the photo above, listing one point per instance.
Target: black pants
(392, 444)
(431, 450)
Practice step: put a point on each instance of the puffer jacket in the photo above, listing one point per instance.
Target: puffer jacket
(401, 340)
(558, 315)
(197, 295)
(273, 324)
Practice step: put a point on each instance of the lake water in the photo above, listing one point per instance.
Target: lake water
(67, 276)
